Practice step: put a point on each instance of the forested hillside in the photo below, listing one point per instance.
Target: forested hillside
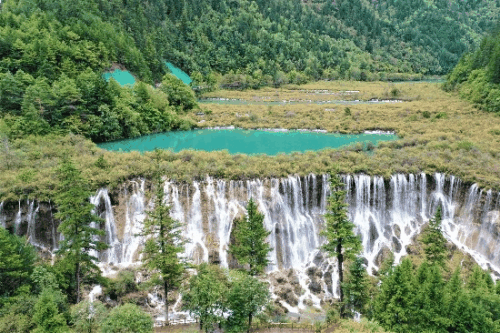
(53, 53)
(477, 75)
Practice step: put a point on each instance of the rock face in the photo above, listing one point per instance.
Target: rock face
(388, 214)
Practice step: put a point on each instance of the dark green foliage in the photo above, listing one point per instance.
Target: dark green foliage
(246, 298)
(78, 226)
(435, 243)
(16, 315)
(47, 313)
(341, 241)
(123, 284)
(356, 288)
(16, 265)
(127, 318)
(477, 74)
(179, 95)
(250, 246)
(419, 300)
(206, 297)
(164, 243)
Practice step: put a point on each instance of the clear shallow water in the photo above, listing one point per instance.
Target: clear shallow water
(240, 141)
(122, 77)
(179, 73)
(227, 101)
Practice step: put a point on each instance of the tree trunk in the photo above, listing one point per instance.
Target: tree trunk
(77, 278)
(249, 322)
(165, 285)
(340, 258)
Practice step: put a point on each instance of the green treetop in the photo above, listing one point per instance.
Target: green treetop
(250, 246)
(164, 243)
(340, 238)
(77, 249)
(435, 243)
(205, 299)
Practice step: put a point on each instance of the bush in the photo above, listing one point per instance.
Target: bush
(87, 317)
(47, 315)
(127, 318)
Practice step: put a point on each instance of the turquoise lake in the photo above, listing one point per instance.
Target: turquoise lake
(122, 77)
(240, 141)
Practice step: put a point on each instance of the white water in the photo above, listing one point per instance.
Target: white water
(388, 214)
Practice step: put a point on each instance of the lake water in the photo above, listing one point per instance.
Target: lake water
(229, 101)
(122, 77)
(269, 142)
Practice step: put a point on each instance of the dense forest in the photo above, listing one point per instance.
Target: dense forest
(477, 75)
(53, 54)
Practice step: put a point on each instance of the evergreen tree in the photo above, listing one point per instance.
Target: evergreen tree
(435, 243)
(164, 242)
(394, 306)
(250, 246)
(341, 241)
(78, 226)
(47, 314)
(356, 287)
(16, 264)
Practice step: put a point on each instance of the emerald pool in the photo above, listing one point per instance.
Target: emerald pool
(241, 141)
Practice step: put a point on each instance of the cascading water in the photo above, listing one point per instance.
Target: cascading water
(388, 214)
(3, 219)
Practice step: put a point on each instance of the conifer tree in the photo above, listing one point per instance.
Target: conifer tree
(164, 243)
(341, 241)
(250, 246)
(78, 226)
(435, 249)
(356, 287)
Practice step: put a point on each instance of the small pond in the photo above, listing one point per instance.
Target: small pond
(230, 101)
(122, 77)
(269, 142)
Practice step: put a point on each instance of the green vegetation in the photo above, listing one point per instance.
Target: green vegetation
(341, 242)
(77, 250)
(164, 244)
(250, 246)
(435, 249)
(127, 318)
(476, 76)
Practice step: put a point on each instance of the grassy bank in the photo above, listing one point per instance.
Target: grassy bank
(439, 132)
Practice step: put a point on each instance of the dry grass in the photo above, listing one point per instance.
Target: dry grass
(440, 133)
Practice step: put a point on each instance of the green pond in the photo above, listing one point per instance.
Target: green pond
(122, 77)
(179, 73)
(240, 141)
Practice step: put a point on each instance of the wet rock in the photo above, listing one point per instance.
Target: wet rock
(373, 233)
(327, 277)
(285, 292)
(318, 258)
(280, 278)
(396, 244)
(397, 230)
(382, 255)
(213, 257)
(315, 287)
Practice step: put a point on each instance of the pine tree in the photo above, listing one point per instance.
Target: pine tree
(81, 235)
(356, 287)
(250, 246)
(340, 238)
(435, 249)
(164, 243)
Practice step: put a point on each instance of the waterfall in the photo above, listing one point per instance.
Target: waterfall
(3, 219)
(388, 215)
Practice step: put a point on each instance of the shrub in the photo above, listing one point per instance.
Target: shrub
(87, 317)
(127, 318)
